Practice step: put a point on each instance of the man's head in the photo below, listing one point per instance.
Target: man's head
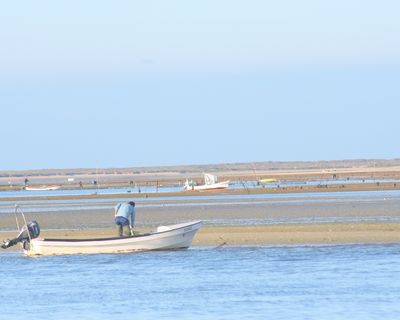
(131, 203)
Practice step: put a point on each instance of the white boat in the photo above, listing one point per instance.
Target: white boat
(176, 236)
(210, 183)
(42, 188)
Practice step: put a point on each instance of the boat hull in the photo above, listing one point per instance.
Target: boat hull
(44, 188)
(171, 237)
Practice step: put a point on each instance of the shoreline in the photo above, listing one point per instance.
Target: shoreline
(370, 219)
(176, 174)
(387, 186)
(262, 235)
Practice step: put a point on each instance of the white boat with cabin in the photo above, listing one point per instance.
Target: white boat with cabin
(210, 183)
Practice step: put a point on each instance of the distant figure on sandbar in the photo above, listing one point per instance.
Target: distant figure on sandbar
(125, 217)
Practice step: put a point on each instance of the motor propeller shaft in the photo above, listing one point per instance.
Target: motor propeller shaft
(27, 232)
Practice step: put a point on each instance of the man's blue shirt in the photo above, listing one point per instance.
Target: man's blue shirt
(127, 211)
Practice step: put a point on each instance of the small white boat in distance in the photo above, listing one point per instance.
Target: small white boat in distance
(178, 236)
(42, 188)
(210, 183)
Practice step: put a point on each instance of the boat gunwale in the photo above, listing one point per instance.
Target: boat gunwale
(116, 238)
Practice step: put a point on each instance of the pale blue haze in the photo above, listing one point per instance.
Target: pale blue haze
(129, 83)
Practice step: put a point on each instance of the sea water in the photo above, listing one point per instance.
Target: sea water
(298, 282)
(51, 205)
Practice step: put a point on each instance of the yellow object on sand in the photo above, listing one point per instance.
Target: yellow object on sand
(267, 180)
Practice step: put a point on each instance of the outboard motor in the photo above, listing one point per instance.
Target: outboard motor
(29, 231)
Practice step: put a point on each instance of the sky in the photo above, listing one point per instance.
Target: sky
(104, 84)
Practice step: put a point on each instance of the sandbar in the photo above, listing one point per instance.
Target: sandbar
(265, 235)
(304, 220)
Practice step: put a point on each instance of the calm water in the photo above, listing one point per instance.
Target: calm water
(316, 282)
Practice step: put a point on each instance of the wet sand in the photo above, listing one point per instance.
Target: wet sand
(297, 234)
(235, 221)
(277, 221)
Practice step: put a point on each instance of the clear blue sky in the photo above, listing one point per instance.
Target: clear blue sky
(143, 83)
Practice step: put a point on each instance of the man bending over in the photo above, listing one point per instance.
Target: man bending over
(125, 217)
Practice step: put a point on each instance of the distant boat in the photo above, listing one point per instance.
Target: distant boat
(267, 180)
(42, 188)
(210, 183)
